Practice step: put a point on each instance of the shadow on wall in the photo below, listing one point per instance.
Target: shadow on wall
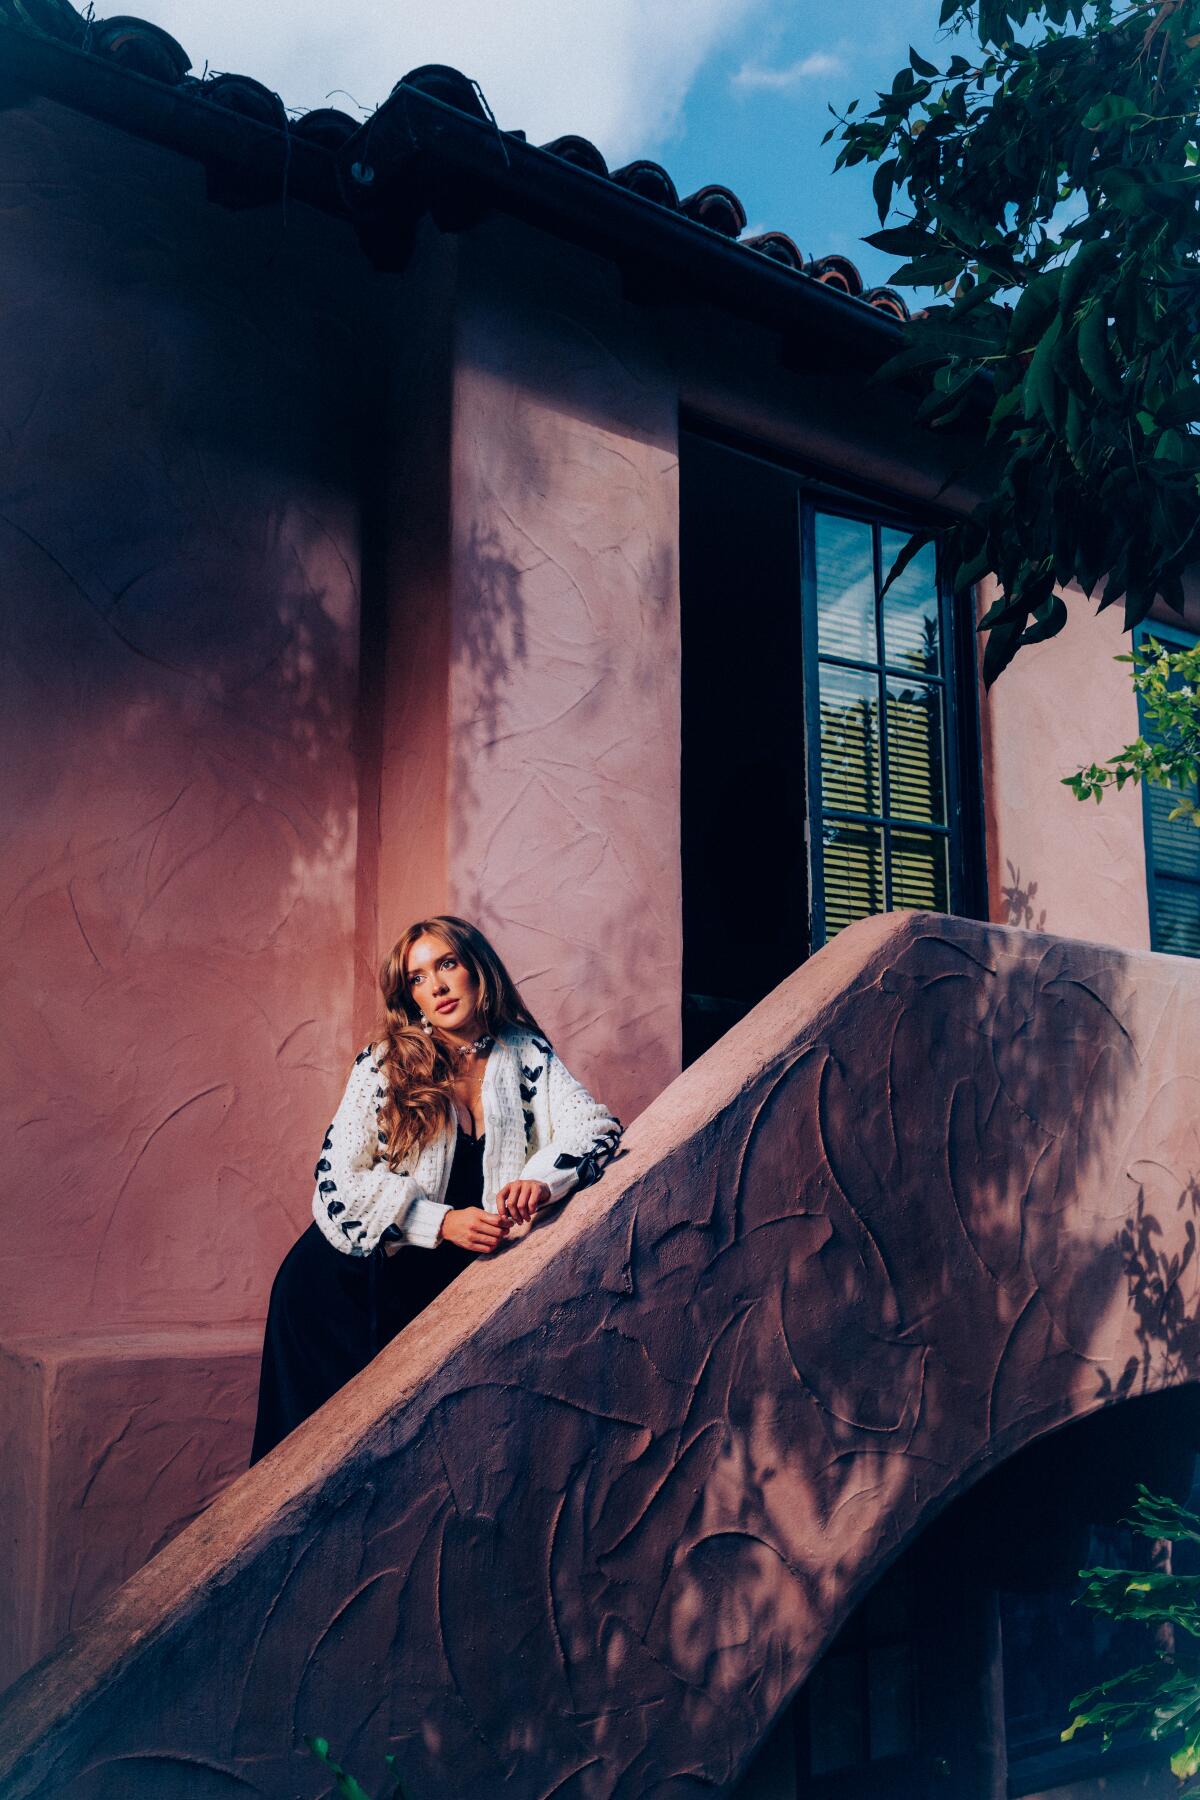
(919, 1208)
(180, 415)
(185, 855)
(1019, 900)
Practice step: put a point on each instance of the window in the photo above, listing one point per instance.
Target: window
(883, 798)
(1172, 845)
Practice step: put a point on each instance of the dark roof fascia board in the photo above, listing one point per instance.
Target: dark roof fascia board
(414, 140)
(179, 119)
(420, 146)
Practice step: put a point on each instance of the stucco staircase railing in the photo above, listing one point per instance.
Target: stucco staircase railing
(582, 1530)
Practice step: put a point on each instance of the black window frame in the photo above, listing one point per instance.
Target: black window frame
(963, 828)
(1176, 638)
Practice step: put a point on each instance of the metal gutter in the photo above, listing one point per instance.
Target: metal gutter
(272, 164)
(416, 152)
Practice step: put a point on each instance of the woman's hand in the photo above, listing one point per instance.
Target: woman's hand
(519, 1200)
(473, 1229)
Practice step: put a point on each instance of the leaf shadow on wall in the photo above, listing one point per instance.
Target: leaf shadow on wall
(572, 862)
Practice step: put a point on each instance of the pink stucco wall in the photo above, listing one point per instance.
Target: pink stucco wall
(563, 827)
(179, 542)
(1055, 864)
(179, 554)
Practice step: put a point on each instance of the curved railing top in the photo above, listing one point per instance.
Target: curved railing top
(583, 1528)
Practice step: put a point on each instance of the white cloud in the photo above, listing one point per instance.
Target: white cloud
(616, 71)
(754, 78)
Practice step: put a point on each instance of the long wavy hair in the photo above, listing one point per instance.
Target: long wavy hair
(417, 1065)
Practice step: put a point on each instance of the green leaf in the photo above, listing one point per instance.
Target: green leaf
(1001, 647)
(1182, 407)
(903, 240)
(1041, 388)
(1034, 308)
(920, 65)
(913, 547)
(1080, 272)
(1186, 1762)
(1049, 620)
(1002, 611)
(882, 186)
(1114, 109)
(926, 271)
(1095, 358)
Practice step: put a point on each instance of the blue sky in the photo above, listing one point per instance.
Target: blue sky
(764, 141)
(733, 91)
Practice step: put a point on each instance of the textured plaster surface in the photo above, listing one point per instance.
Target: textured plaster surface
(584, 1527)
(1054, 864)
(179, 552)
(563, 818)
(114, 1443)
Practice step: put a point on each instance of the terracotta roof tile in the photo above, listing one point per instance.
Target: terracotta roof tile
(649, 180)
(778, 246)
(55, 18)
(886, 299)
(242, 94)
(147, 50)
(449, 85)
(717, 207)
(327, 126)
(579, 153)
(837, 272)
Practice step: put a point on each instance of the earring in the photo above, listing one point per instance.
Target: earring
(426, 1027)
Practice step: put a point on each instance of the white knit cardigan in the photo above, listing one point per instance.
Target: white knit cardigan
(540, 1125)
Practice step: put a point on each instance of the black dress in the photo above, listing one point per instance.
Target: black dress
(331, 1313)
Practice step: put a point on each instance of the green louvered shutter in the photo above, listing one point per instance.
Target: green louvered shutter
(1172, 847)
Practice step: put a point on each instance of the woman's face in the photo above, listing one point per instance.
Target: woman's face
(442, 987)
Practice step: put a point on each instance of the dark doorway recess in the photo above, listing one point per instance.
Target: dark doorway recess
(954, 1676)
(745, 896)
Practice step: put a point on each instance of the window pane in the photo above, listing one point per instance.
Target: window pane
(853, 873)
(915, 760)
(1177, 914)
(845, 588)
(890, 1688)
(919, 877)
(910, 607)
(837, 1714)
(850, 779)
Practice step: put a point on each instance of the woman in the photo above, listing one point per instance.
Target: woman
(457, 1125)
